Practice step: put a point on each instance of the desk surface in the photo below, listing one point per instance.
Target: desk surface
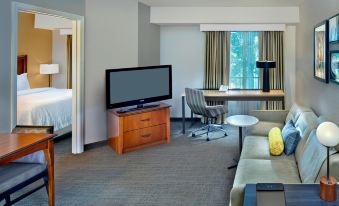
(243, 93)
(295, 195)
(13, 143)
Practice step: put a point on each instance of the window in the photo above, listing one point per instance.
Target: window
(244, 52)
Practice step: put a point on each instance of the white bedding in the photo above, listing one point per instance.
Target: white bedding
(45, 106)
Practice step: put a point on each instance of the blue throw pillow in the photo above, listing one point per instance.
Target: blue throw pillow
(291, 137)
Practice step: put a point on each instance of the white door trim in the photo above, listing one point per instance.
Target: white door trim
(78, 72)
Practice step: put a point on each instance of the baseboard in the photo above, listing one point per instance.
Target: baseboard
(95, 145)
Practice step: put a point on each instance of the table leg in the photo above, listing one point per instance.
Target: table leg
(240, 140)
(183, 114)
(283, 103)
(49, 155)
(240, 149)
(192, 120)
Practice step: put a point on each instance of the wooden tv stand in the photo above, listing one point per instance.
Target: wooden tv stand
(138, 129)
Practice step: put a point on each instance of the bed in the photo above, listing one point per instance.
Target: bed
(43, 106)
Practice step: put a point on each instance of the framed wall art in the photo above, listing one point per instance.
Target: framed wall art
(333, 24)
(334, 66)
(320, 52)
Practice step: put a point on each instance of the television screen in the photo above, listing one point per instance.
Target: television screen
(133, 86)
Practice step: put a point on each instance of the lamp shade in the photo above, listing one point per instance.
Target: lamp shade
(49, 68)
(265, 64)
(328, 134)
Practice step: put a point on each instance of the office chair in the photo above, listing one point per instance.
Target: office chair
(196, 102)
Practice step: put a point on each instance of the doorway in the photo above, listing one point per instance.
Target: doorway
(77, 64)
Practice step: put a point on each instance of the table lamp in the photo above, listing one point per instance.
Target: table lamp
(328, 135)
(49, 69)
(266, 65)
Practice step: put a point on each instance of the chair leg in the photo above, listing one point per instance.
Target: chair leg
(8, 200)
(46, 183)
(208, 129)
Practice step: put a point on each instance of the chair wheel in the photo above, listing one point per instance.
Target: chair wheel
(193, 135)
(208, 139)
(226, 134)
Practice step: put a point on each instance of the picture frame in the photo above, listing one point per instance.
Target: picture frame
(333, 30)
(320, 38)
(334, 66)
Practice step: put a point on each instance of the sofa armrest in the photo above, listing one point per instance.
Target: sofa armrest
(237, 195)
(278, 116)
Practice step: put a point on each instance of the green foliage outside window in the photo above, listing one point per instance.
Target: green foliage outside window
(244, 52)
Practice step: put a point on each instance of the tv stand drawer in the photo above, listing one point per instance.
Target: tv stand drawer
(136, 130)
(144, 136)
(144, 120)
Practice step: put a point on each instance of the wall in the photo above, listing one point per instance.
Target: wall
(37, 45)
(224, 15)
(184, 48)
(74, 6)
(148, 38)
(59, 56)
(323, 98)
(290, 65)
(111, 42)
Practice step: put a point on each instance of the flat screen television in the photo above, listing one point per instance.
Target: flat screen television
(138, 86)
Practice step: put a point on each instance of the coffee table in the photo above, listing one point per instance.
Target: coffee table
(241, 121)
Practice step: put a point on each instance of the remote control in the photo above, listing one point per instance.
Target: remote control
(270, 187)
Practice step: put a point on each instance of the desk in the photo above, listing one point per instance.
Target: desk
(295, 195)
(14, 146)
(236, 95)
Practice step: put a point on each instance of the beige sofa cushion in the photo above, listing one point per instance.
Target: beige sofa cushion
(295, 112)
(261, 171)
(256, 147)
(305, 124)
(262, 128)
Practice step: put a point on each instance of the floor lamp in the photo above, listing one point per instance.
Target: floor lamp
(266, 65)
(328, 135)
(49, 69)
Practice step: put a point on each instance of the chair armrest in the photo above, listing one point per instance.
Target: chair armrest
(278, 116)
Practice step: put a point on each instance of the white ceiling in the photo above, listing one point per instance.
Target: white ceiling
(201, 3)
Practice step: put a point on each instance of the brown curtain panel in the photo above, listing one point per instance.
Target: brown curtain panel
(217, 59)
(271, 48)
(69, 61)
(217, 62)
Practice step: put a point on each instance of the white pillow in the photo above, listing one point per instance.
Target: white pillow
(22, 82)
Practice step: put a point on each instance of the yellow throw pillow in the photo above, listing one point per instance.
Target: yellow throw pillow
(276, 142)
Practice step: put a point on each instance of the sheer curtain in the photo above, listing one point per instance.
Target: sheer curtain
(244, 52)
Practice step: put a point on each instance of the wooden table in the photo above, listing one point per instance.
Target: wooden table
(295, 195)
(236, 95)
(241, 121)
(14, 146)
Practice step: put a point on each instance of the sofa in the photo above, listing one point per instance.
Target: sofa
(256, 165)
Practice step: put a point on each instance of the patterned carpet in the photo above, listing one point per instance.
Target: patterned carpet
(188, 172)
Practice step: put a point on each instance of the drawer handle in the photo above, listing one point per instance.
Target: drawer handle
(145, 120)
(146, 135)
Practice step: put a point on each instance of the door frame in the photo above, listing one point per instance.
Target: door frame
(77, 64)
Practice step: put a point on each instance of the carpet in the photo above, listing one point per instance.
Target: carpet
(188, 172)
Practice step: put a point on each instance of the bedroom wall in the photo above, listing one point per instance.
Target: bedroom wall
(59, 56)
(37, 45)
(323, 98)
(74, 6)
(148, 38)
